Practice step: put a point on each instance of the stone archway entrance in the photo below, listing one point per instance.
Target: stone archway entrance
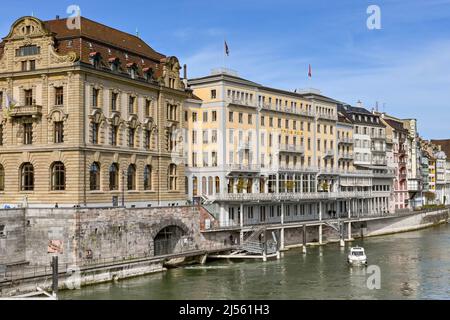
(166, 241)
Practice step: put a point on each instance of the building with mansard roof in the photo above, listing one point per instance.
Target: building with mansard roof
(90, 116)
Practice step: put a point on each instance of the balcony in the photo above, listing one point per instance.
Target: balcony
(378, 150)
(241, 102)
(356, 173)
(329, 172)
(276, 197)
(244, 145)
(26, 111)
(326, 116)
(328, 154)
(250, 168)
(346, 155)
(378, 136)
(297, 168)
(291, 148)
(292, 110)
(343, 140)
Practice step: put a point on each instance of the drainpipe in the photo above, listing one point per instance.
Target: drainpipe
(84, 142)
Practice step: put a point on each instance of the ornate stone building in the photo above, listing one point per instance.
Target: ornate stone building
(89, 117)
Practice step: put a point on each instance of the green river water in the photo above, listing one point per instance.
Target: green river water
(414, 265)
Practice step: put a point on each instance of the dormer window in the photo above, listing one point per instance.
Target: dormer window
(28, 51)
(94, 59)
(132, 70)
(114, 63)
(148, 73)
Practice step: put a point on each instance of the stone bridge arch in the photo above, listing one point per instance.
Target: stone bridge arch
(168, 236)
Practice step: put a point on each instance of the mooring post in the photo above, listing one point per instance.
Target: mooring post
(55, 276)
(304, 238)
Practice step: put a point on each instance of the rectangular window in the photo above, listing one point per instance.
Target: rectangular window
(1, 134)
(59, 132)
(28, 97)
(194, 116)
(114, 97)
(213, 94)
(194, 137)
(205, 136)
(1, 100)
(131, 101)
(205, 116)
(131, 132)
(231, 136)
(27, 51)
(147, 138)
(214, 158)
(214, 116)
(205, 159)
(230, 116)
(241, 117)
(28, 133)
(250, 120)
(59, 96)
(32, 65)
(24, 65)
(95, 94)
(114, 131)
(194, 159)
(94, 133)
(262, 121)
(214, 136)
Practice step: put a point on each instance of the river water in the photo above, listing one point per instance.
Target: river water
(414, 265)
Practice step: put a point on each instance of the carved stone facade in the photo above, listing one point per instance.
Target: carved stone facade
(76, 130)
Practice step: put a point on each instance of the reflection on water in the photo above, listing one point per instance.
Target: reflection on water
(413, 265)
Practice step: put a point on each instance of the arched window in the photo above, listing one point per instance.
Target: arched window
(2, 178)
(58, 182)
(114, 177)
(148, 178)
(27, 177)
(131, 177)
(194, 186)
(204, 185)
(210, 186)
(94, 176)
(217, 185)
(172, 177)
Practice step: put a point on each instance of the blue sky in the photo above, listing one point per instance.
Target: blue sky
(405, 66)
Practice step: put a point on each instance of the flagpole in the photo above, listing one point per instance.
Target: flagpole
(224, 53)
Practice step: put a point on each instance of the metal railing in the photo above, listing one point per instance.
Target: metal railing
(292, 148)
(241, 197)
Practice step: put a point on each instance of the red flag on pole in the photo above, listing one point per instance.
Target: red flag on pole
(310, 71)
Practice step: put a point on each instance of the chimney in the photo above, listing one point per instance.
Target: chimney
(57, 17)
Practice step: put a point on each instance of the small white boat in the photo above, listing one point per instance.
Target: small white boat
(357, 256)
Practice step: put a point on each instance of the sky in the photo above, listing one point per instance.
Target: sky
(404, 66)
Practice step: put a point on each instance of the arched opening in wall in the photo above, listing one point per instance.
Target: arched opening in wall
(167, 239)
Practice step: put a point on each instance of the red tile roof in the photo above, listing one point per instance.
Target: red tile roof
(445, 145)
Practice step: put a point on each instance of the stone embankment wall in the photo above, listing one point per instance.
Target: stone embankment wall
(86, 235)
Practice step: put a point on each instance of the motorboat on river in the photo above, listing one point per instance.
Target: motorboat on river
(357, 256)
